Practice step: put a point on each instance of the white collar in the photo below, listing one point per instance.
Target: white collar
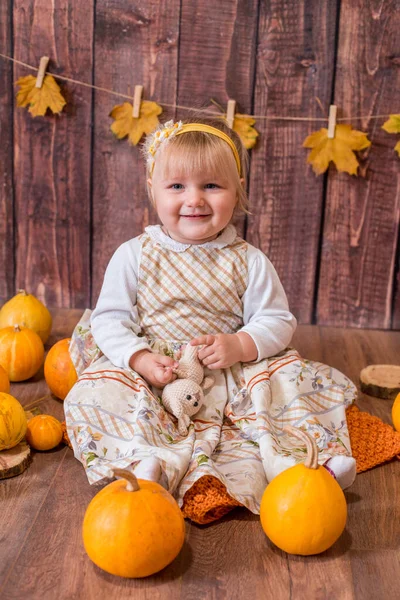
(226, 237)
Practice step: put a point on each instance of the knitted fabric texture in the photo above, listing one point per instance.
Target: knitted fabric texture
(207, 500)
(373, 442)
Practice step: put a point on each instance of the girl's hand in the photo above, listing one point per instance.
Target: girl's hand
(220, 351)
(157, 369)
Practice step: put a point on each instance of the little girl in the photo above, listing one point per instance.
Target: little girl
(194, 280)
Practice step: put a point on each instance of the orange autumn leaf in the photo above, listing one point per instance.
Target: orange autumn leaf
(392, 125)
(40, 99)
(339, 150)
(127, 125)
(243, 125)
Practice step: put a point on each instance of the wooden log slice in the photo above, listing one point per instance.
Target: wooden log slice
(381, 381)
(15, 460)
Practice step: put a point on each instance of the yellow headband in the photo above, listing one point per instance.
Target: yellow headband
(171, 129)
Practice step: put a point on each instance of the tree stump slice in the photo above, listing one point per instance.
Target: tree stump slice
(381, 381)
(15, 460)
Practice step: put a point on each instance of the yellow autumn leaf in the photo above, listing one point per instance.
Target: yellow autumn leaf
(392, 125)
(40, 99)
(127, 125)
(338, 150)
(243, 125)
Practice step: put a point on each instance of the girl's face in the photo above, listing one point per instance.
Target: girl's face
(193, 208)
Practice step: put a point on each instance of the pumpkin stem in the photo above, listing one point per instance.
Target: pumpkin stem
(311, 461)
(17, 327)
(132, 483)
(23, 292)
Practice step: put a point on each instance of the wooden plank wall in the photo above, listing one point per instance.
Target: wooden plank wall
(70, 193)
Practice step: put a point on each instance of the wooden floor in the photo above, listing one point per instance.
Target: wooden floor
(41, 513)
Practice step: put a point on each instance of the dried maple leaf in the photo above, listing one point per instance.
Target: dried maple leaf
(392, 125)
(243, 125)
(338, 149)
(127, 125)
(40, 99)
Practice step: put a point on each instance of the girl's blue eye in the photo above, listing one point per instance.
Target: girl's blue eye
(176, 186)
(212, 185)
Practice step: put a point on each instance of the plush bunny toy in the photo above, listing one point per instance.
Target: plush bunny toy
(184, 396)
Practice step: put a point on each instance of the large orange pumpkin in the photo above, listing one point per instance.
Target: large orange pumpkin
(12, 421)
(59, 370)
(21, 352)
(303, 510)
(44, 432)
(133, 527)
(4, 381)
(26, 310)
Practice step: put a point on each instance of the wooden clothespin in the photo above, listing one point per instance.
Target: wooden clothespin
(137, 99)
(332, 121)
(44, 61)
(230, 113)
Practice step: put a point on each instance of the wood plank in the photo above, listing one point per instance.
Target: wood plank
(22, 496)
(217, 54)
(7, 285)
(52, 156)
(373, 500)
(134, 45)
(294, 66)
(362, 214)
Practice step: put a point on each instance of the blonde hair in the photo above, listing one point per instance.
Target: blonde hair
(196, 151)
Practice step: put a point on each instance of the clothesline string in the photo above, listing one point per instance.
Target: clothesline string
(257, 117)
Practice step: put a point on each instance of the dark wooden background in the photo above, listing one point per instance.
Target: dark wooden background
(70, 193)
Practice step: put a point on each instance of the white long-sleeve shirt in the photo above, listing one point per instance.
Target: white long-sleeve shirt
(115, 323)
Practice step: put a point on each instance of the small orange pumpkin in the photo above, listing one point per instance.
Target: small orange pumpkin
(59, 370)
(396, 413)
(133, 527)
(4, 381)
(12, 421)
(303, 510)
(44, 432)
(26, 310)
(21, 352)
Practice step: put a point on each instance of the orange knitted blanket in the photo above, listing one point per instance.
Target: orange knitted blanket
(373, 442)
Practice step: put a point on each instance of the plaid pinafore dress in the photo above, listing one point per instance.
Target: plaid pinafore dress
(115, 419)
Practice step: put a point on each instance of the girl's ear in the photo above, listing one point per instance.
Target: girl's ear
(242, 181)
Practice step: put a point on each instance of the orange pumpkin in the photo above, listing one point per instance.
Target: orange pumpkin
(396, 413)
(12, 421)
(59, 370)
(4, 381)
(26, 310)
(44, 432)
(21, 352)
(303, 510)
(133, 528)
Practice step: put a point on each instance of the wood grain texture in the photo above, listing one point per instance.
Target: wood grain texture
(41, 550)
(339, 261)
(294, 67)
(362, 214)
(7, 285)
(135, 44)
(52, 156)
(217, 53)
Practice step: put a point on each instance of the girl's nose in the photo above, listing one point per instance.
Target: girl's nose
(195, 198)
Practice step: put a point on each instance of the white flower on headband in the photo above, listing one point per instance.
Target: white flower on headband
(159, 136)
